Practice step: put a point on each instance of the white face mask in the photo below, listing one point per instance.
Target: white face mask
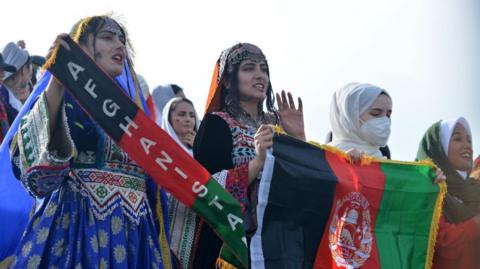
(376, 131)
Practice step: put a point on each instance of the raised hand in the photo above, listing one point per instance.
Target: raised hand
(56, 86)
(291, 117)
(21, 44)
(54, 91)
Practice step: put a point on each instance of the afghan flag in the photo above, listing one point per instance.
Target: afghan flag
(318, 210)
(150, 147)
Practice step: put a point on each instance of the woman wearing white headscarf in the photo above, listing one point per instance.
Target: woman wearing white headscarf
(161, 95)
(180, 121)
(360, 119)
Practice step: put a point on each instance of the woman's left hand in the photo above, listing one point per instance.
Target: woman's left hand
(291, 118)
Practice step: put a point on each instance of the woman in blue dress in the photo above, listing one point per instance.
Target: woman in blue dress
(99, 209)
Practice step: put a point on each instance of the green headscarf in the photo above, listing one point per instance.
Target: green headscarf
(463, 195)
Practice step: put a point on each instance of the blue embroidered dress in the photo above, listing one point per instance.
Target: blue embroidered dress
(98, 207)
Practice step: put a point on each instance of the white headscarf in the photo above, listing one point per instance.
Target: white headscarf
(183, 220)
(161, 95)
(347, 106)
(446, 132)
(167, 127)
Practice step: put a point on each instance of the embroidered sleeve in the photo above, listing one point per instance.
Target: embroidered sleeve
(213, 149)
(43, 168)
(235, 181)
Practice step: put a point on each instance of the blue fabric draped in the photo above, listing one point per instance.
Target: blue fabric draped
(15, 203)
(126, 82)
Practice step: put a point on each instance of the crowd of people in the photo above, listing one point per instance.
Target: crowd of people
(63, 158)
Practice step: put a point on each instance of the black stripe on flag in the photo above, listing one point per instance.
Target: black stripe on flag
(295, 199)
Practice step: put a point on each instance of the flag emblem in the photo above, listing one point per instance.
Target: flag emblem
(350, 234)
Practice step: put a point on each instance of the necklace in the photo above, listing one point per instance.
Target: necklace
(246, 119)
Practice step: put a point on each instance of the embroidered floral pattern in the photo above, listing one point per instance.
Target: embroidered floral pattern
(103, 238)
(120, 253)
(236, 180)
(42, 235)
(66, 220)
(108, 190)
(94, 243)
(26, 249)
(103, 264)
(237, 184)
(243, 139)
(40, 180)
(58, 248)
(116, 225)
(34, 262)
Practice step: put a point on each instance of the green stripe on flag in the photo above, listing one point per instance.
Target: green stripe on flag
(229, 211)
(404, 219)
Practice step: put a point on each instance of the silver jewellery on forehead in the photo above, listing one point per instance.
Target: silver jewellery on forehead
(112, 27)
(245, 52)
(236, 54)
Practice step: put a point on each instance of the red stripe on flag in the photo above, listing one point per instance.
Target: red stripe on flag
(349, 237)
(163, 159)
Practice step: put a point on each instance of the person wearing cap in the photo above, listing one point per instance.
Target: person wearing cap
(4, 67)
(4, 125)
(15, 89)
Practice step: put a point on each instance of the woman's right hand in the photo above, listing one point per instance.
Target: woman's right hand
(354, 155)
(263, 140)
(54, 91)
(59, 41)
(56, 85)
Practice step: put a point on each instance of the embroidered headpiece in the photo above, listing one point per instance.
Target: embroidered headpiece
(111, 26)
(228, 60)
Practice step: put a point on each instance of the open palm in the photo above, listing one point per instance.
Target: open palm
(291, 118)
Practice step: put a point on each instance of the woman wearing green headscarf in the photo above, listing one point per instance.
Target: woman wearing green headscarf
(449, 144)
